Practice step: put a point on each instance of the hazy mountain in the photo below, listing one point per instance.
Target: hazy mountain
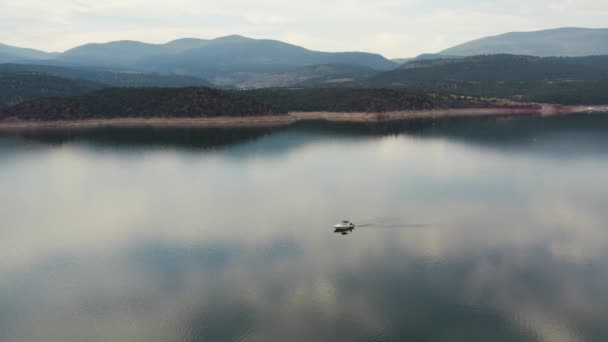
(16, 87)
(557, 42)
(242, 62)
(214, 57)
(401, 60)
(126, 53)
(15, 54)
(424, 57)
(433, 56)
(109, 78)
(114, 54)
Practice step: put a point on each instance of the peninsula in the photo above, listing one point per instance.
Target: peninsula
(207, 107)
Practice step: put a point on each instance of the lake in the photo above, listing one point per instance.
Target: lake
(469, 230)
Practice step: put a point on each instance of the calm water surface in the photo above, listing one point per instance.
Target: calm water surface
(484, 230)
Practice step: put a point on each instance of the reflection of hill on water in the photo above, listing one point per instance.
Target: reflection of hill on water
(532, 134)
(153, 137)
(569, 136)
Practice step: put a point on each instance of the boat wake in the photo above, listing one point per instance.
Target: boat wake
(397, 225)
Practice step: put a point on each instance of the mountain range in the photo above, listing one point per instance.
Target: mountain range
(233, 61)
(10, 54)
(504, 66)
(564, 42)
(227, 54)
(221, 60)
(238, 61)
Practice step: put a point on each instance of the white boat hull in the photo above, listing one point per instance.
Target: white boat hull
(342, 226)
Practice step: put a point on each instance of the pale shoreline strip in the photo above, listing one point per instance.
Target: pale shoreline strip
(283, 120)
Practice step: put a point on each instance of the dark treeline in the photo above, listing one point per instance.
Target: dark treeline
(341, 99)
(208, 102)
(574, 93)
(564, 92)
(362, 100)
(140, 103)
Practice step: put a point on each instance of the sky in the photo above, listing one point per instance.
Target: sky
(394, 28)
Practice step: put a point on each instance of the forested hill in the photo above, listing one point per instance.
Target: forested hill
(581, 80)
(363, 100)
(109, 78)
(501, 68)
(16, 87)
(140, 103)
(206, 102)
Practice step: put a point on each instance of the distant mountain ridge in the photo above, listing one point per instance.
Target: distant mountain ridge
(226, 61)
(124, 53)
(245, 63)
(212, 57)
(13, 54)
(561, 42)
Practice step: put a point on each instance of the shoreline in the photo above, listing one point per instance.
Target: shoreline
(293, 117)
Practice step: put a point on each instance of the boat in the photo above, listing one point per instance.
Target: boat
(345, 225)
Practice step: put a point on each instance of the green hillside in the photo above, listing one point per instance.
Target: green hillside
(19, 87)
(309, 76)
(110, 78)
(579, 80)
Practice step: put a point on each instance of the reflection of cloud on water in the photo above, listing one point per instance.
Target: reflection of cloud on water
(168, 245)
(542, 296)
(269, 297)
(579, 225)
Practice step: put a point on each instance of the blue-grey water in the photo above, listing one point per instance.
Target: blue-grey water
(471, 230)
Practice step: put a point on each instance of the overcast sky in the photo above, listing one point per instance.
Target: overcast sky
(395, 28)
